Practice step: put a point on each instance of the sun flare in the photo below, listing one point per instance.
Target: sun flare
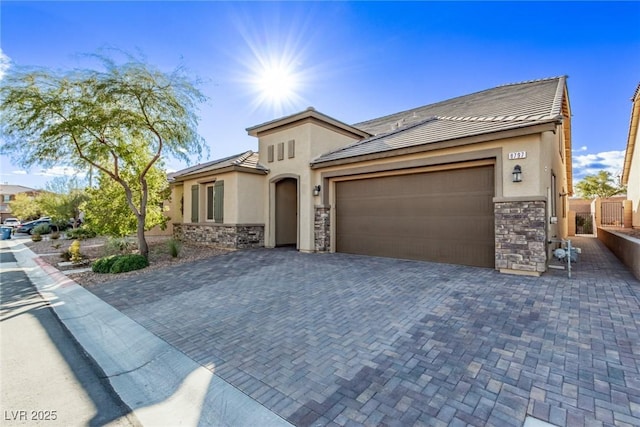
(277, 83)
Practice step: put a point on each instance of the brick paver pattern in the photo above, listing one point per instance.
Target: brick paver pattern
(337, 339)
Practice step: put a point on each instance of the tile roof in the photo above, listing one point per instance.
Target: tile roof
(15, 189)
(502, 108)
(247, 160)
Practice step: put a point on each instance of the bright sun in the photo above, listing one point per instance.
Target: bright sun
(277, 84)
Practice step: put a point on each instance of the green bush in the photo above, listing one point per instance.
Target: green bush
(80, 233)
(41, 229)
(55, 235)
(103, 265)
(119, 263)
(130, 262)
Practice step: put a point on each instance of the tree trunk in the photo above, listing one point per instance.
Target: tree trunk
(143, 247)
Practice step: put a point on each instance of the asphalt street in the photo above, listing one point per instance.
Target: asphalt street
(45, 377)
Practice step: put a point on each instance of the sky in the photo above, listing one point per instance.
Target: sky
(353, 61)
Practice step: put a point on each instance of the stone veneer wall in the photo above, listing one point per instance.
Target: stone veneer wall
(235, 236)
(521, 236)
(321, 229)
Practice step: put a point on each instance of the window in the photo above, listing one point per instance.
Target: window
(210, 197)
(195, 206)
(6, 198)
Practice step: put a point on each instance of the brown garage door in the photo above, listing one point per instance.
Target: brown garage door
(441, 216)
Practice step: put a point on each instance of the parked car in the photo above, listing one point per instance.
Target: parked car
(12, 222)
(28, 227)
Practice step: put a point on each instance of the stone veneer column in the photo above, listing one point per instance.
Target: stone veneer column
(321, 229)
(521, 237)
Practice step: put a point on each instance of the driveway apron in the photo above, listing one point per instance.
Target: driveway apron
(337, 339)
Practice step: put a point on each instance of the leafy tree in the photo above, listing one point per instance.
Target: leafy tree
(118, 120)
(25, 207)
(600, 185)
(63, 199)
(108, 202)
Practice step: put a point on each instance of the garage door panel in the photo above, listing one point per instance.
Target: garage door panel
(443, 216)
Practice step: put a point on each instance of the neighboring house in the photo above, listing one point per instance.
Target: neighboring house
(631, 168)
(7, 194)
(478, 180)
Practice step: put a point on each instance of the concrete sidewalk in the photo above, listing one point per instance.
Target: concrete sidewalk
(160, 384)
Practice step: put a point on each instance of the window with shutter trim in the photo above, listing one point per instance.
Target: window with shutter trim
(218, 202)
(270, 154)
(195, 190)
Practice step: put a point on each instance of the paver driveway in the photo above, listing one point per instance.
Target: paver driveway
(325, 339)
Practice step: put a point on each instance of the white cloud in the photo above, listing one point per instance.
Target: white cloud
(590, 164)
(60, 171)
(5, 62)
(21, 172)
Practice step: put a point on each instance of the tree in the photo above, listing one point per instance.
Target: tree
(25, 207)
(62, 199)
(120, 119)
(600, 185)
(108, 201)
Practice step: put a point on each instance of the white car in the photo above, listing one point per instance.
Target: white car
(12, 222)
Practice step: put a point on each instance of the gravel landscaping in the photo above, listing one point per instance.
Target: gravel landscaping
(91, 249)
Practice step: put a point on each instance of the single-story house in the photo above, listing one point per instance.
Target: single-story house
(481, 180)
(631, 167)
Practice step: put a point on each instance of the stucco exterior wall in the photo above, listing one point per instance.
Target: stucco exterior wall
(311, 140)
(250, 198)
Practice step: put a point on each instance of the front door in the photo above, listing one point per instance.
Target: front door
(287, 212)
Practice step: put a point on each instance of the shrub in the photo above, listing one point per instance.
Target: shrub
(41, 229)
(80, 233)
(130, 262)
(65, 255)
(74, 250)
(119, 263)
(174, 247)
(119, 245)
(103, 265)
(35, 237)
(55, 235)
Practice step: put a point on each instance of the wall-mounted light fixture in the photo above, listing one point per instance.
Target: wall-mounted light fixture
(316, 190)
(517, 173)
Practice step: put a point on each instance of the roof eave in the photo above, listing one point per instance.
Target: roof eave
(306, 114)
(214, 172)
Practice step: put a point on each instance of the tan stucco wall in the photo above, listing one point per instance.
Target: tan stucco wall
(243, 197)
(633, 185)
(311, 140)
(250, 198)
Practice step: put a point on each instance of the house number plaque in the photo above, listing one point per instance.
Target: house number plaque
(518, 155)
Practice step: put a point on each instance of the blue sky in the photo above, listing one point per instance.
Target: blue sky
(351, 60)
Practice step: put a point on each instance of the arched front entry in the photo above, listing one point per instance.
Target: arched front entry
(286, 212)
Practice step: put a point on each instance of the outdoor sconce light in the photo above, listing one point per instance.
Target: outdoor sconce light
(316, 190)
(517, 173)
